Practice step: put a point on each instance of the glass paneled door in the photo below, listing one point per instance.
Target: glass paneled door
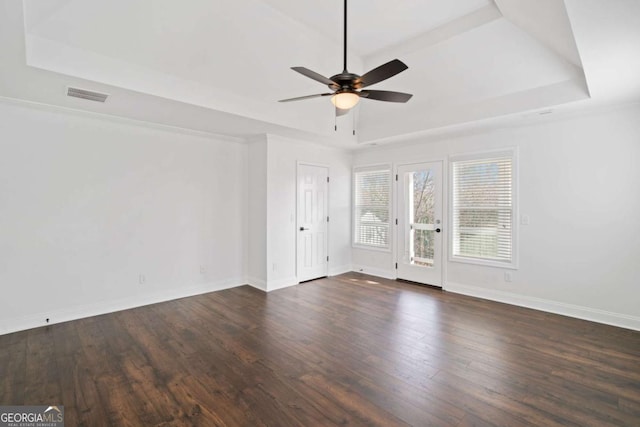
(420, 231)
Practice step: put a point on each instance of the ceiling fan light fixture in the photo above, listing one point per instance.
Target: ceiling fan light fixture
(345, 100)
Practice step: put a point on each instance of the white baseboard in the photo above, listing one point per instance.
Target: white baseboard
(579, 312)
(256, 283)
(336, 271)
(378, 272)
(89, 310)
(274, 285)
(271, 285)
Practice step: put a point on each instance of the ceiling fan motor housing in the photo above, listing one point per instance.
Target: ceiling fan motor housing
(346, 80)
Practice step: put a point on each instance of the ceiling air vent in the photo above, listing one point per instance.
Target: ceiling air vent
(86, 94)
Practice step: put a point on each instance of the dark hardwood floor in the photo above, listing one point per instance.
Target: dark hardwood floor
(349, 350)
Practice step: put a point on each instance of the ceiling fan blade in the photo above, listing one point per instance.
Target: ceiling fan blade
(315, 76)
(300, 98)
(386, 95)
(382, 72)
(341, 112)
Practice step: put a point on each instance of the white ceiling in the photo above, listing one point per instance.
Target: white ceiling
(376, 24)
(220, 66)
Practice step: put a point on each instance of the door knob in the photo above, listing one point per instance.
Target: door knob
(303, 229)
(437, 230)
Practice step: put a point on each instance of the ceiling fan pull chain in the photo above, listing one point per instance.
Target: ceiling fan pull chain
(353, 113)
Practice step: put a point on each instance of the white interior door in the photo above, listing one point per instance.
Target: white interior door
(420, 231)
(312, 222)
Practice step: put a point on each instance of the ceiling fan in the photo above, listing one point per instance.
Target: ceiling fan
(347, 88)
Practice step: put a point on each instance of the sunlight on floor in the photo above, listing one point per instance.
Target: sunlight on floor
(368, 282)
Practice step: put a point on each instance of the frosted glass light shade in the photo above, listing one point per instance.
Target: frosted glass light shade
(345, 100)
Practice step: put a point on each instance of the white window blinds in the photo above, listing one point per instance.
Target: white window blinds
(482, 208)
(372, 188)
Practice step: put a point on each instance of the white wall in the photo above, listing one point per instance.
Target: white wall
(87, 204)
(283, 156)
(578, 183)
(256, 259)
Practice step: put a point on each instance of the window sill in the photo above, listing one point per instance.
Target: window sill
(370, 248)
(484, 262)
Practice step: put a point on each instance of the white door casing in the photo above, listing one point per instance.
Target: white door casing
(312, 222)
(420, 228)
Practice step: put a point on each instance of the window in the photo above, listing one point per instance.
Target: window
(483, 213)
(372, 188)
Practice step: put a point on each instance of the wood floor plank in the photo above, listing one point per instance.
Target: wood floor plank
(42, 386)
(13, 368)
(348, 350)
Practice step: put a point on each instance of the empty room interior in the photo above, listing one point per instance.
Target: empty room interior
(287, 213)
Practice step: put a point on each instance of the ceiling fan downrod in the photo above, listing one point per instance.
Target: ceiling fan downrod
(345, 39)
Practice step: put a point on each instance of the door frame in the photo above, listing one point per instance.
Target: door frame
(297, 226)
(445, 212)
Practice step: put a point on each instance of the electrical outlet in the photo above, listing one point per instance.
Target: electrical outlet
(202, 269)
(142, 279)
(525, 220)
(508, 277)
